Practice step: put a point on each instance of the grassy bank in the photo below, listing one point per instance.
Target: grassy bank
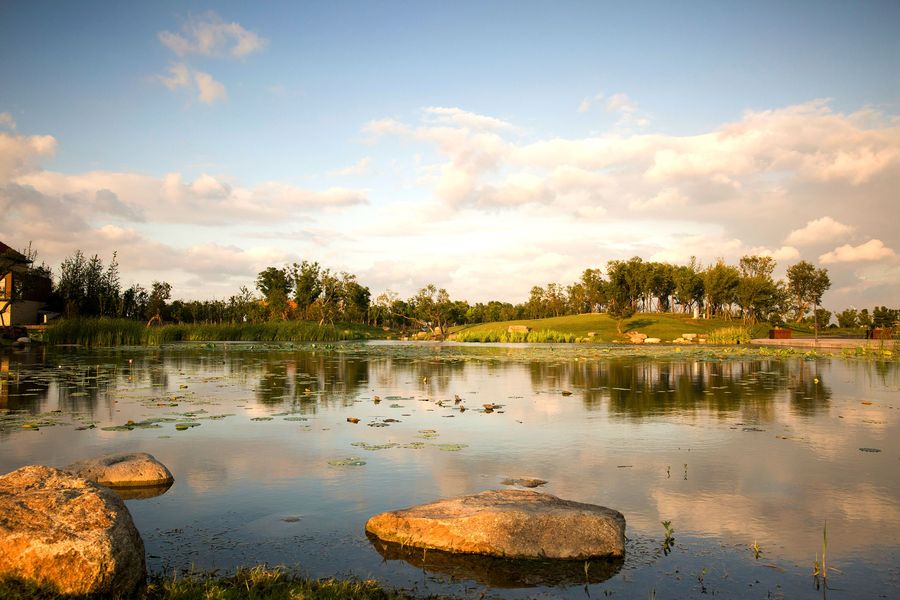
(667, 327)
(124, 332)
(261, 583)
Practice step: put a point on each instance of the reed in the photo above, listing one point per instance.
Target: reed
(543, 336)
(729, 335)
(124, 332)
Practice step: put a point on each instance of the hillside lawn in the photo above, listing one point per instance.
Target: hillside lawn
(666, 326)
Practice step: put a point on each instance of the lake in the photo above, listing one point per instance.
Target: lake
(737, 448)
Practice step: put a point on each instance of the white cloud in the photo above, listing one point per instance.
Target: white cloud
(784, 253)
(666, 198)
(818, 231)
(202, 85)
(7, 121)
(872, 250)
(179, 77)
(209, 90)
(360, 167)
(465, 118)
(621, 103)
(20, 153)
(209, 35)
(207, 200)
(587, 102)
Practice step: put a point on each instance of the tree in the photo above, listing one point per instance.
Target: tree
(865, 319)
(307, 286)
(720, 281)
(624, 279)
(882, 316)
(849, 317)
(160, 291)
(688, 285)
(327, 305)
(594, 289)
(70, 288)
(354, 299)
(274, 284)
(110, 288)
(806, 286)
(757, 293)
(822, 318)
(433, 308)
(620, 308)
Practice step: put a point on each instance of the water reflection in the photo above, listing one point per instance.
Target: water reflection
(770, 446)
(499, 572)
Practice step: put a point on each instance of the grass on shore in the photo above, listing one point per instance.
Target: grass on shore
(260, 583)
(125, 332)
(665, 326)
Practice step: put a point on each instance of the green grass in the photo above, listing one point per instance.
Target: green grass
(665, 326)
(261, 583)
(124, 332)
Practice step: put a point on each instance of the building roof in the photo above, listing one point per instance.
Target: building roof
(8, 252)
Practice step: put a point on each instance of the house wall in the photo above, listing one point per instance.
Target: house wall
(24, 312)
(5, 285)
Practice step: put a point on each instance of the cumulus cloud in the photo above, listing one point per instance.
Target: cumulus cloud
(21, 153)
(784, 253)
(620, 103)
(201, 85)
(465, 118)
(666, 198)
(818, 231)
(360, 167)
(628, 110)
(7, 121)
(588, 101)
(208, 89)
(873, 250)
(209, 35)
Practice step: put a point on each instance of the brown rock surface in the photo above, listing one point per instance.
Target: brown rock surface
(134, 469)
(507, 523)
(68, 533)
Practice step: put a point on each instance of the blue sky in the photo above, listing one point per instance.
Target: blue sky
(457, 143)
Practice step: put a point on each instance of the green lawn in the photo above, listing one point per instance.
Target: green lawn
(665, 326)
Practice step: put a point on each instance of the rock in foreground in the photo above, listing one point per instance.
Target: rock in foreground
(68, 533)
(134, 469)
(507, 523)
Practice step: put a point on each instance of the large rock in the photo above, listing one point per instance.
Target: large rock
(507, 523)
(635, 337)
(135, 469)
(68, 533)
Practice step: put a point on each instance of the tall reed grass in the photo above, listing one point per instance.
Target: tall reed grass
(498, 335)
(729, 335)
(125, 332)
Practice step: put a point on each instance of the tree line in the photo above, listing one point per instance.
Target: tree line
(307, 290)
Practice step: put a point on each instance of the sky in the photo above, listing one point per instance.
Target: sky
(486, 147)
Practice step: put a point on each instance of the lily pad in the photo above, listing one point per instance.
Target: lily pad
(372, 447)
(347, 462)
(450, 447)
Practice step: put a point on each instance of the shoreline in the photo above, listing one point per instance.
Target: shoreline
(825, 343)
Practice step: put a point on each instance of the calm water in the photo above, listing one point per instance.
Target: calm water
(732, 449)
